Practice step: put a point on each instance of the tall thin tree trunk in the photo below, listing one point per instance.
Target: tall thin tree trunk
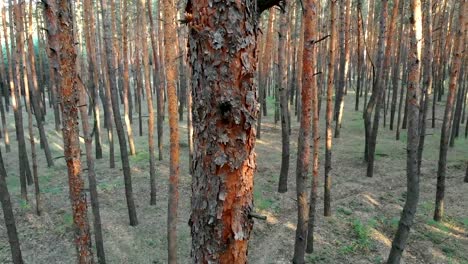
(170, 38)
(340, 88)
(25, 170)
(396, 66)
(315, 132)
(149, 101)
(283, 94)
(157, 81)
(377, 98)
(8, 216)
(88, 138)
(427, 77)
(111, 68)
(329, 111)
(126, 78)
(412, 197)
(445, 130)
(70, 95)
(303, 150)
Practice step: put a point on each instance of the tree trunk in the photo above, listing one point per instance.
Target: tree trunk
(28, 74)
(427, 77)
(303, 151)
(283, 94)
(157, 81)
(412, 197)
(396, 66)
(8, 216)
(339, 98)
(265, 70)
(25, 171)
(311, 34)
(149, 101)
(329, 114)
(445, 131)
(108, 41)
(224, 118)
(70, 95)
(35, 93)
(126, 78)
(170, 38)
(88, 138)
(4, 89)
(377, 98)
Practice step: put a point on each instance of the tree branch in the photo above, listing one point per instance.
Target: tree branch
(263, 5)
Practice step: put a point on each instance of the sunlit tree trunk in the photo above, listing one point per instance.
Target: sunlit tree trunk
(70, 97)
(30, 78)
(310, 38)
(35, 93)
(126, 78)
(303, 150)
(170, 55)
(224, 120)
(10, 79)
(25, 170)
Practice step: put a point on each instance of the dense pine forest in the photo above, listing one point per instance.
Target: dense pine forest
(247, 131)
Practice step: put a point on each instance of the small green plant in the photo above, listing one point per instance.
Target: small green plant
(24, 204)
(378, 260)
(68, 219)
(320, 257)
(438, 225)
(362, 232)
(344, 211)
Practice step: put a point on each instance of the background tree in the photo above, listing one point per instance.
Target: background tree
(445, 130)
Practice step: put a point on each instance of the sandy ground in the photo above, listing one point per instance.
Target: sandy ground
(365, 210)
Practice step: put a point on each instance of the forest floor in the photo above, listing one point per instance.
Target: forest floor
(365, 210)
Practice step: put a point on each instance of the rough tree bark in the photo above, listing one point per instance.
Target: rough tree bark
(412, 184)
(303, 151)
(61, 13)
(222, 43)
